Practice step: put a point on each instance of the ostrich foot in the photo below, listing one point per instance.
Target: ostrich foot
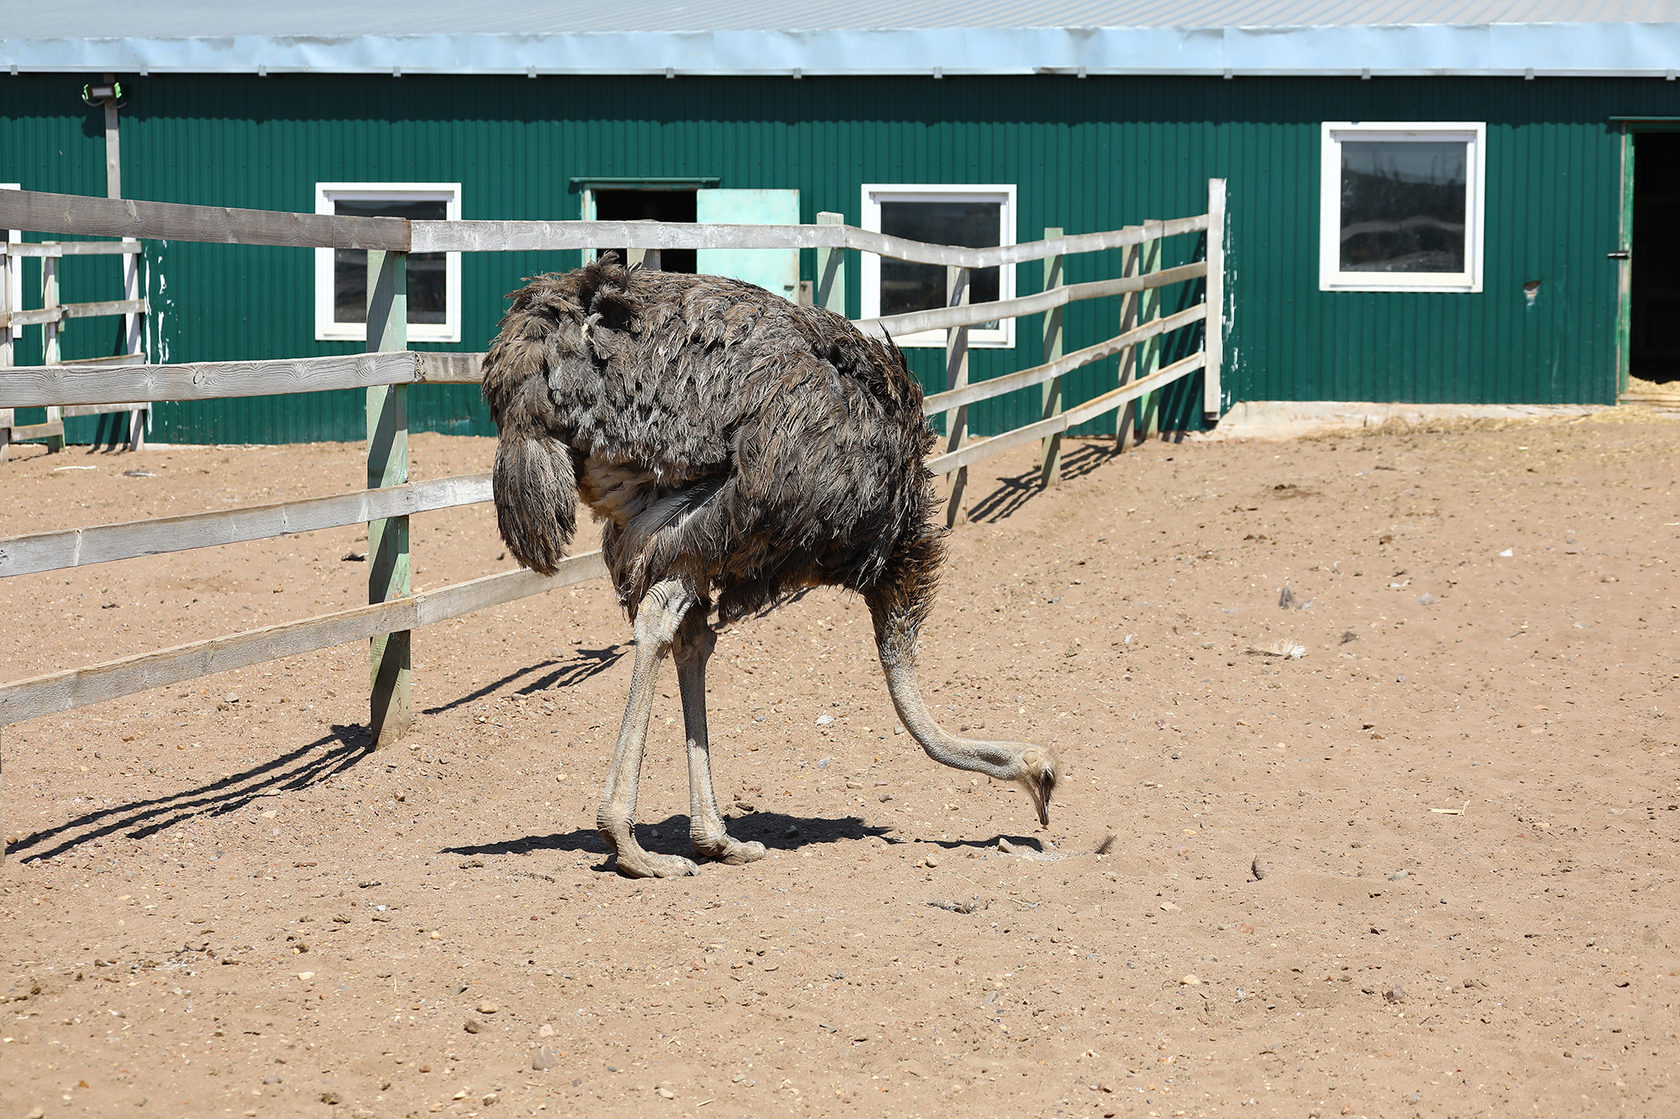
(725, 848)
(636, 862)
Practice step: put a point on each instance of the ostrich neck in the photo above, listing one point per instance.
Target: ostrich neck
(995, 759)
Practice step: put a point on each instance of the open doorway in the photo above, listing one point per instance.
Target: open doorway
(701, 201)
(1654, 331)
(642, 204)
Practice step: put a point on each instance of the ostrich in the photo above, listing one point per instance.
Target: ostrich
(738, 448)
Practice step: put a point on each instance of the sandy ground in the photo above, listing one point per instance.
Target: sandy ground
(1428, 867)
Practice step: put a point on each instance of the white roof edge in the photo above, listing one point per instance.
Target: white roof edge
(1485, 50)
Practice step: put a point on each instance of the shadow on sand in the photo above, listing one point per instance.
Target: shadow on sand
(775, 830)
(300, 768)
(561, 674)
(1014, 492)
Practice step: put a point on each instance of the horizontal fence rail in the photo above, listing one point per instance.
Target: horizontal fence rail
(79, 215)
(77, 547)
(72, 248)
(66, 214)
(1090, 410)
(35, 386)
(507, 236)
(78, 687)
(1038, 374)
(72, 311)
(88, 387)
(973, 314)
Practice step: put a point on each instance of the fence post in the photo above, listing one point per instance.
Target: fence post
(7, 262)
(831, 271)
(50, 349)
(128, 262)
(390, 703)
(956, 376)
(1050, 454)
(636, 254)
(1140, 359)
(1126, 421)
(132, 344)
(1149, 352)
(1213, 327)
(133, 340)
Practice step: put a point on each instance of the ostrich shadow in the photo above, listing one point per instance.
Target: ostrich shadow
(583, 664)
(776, 830)
(299, 768)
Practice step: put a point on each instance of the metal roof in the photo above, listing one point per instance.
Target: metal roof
(738, 37)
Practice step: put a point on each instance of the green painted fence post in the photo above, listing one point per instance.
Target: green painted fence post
(956, 377)
(1050, 453)
(1149, 352)
(391, 708)
(1138, 418)
(1126, 421)
(831, 271)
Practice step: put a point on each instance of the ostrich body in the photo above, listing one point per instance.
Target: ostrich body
(738, 448)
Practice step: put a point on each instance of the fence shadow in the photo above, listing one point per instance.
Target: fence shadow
(583, 664)
(300, 768)
(776, 830)
(1014, 492)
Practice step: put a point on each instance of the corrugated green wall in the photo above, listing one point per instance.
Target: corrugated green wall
(1085, 155)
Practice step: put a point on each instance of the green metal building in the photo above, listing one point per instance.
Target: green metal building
(1456, 206)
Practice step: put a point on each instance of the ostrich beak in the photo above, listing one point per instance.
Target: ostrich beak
(1038, 777)
(1041, 801)
(1039, 789)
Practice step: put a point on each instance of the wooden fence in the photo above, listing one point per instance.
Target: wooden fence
(389, 368)
(50, 317)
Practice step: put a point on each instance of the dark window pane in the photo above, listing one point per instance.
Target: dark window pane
(426, 287)
(1403, 204)
(909, 287)
(639, 204)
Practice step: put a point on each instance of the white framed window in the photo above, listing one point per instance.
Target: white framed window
(434, 279)
(1402, 207)
(973, 216)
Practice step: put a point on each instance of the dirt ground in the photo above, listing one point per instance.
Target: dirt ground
(1427, 867)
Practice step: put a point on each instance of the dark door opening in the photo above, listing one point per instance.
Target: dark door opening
(617, 204)
(1654, 342)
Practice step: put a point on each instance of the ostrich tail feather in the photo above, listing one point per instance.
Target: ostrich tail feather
(535, 487)
(535, 479)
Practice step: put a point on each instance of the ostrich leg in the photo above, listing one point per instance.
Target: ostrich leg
(693, 648)
(657, 618)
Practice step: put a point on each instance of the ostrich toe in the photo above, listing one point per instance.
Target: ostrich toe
(725, 848)
(635, 862)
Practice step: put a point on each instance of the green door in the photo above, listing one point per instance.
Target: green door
(774, 269)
